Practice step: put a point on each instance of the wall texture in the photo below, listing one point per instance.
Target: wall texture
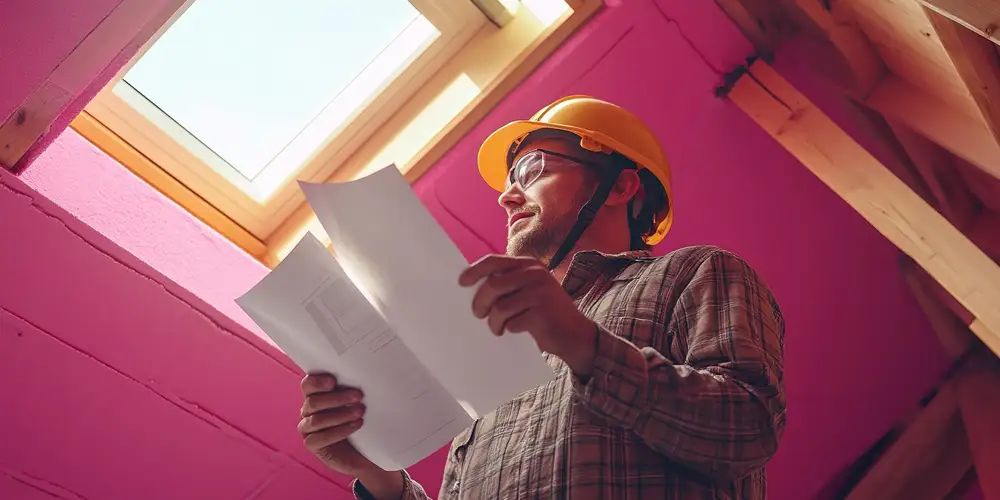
(118, 333)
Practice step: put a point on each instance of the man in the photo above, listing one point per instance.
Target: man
(668, 370)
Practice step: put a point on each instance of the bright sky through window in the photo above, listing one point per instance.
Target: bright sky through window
(249, 78)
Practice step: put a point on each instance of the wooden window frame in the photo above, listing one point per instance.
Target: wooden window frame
(421, 126)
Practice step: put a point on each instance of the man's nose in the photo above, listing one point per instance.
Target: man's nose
(512, 197)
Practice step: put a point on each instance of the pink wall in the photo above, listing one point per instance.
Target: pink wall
(34, 52)
(110, 199)
(132, 299)
(37, 35)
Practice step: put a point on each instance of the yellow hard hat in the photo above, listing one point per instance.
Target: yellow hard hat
(595, 121)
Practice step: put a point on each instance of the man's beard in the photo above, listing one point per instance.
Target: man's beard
(540, 240)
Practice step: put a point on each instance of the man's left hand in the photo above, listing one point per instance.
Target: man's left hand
(520, 295)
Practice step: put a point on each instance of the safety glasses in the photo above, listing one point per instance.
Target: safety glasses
(530, 166)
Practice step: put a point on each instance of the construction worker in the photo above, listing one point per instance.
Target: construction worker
(668, 369)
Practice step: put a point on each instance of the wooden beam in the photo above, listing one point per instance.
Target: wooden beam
(978, 65)
(870, 188)
(985, 233)
(980, 16)
(964, 487)
(978, 393)
(953, 334)
(762, 21)
(963, 135)
(128, 22)
(840, 48)
(928, 460)
(935, 167)
(989, 336)
(852, 63)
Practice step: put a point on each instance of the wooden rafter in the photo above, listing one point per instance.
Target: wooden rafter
(978, 66)
(928, 460)
(936, 120)
(852, 63)
(978, 393)
(129, 24)
(935, 167)
(953, 334)
(761, 21)
(846, 53)
(897, 212)
(980, 16)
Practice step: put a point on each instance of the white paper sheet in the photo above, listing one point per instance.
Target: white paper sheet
(393, 249)
(310, 308)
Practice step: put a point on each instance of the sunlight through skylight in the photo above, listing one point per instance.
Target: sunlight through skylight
(252, 79)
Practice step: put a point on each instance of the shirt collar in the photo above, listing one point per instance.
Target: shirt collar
(588, 265)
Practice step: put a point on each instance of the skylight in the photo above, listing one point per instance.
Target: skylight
(261, 85)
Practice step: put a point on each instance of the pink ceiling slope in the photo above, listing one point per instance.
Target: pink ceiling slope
(126, 371)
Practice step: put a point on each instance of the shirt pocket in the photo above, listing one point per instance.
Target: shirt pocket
(643, 332)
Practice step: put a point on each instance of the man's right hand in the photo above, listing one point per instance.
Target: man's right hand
(330, 414)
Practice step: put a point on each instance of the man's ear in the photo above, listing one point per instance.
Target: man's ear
(625, 188)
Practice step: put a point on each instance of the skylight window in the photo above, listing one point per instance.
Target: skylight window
(233, 101)
(254, 87)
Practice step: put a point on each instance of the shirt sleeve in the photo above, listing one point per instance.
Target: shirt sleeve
(411, 490)
(722, 411)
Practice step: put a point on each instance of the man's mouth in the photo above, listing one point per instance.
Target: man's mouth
(517, 217)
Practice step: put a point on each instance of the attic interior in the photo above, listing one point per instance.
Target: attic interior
(884, 109)
(926, 76)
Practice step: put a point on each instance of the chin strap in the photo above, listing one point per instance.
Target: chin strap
(586, 215)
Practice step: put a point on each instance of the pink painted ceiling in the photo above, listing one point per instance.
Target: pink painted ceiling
(125, 372)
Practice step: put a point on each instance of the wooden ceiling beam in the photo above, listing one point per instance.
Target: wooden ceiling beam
(935, 167)
(978, 394)
(928, 460)
(842, 50)
(980, 16)
(963, 135)
(985, 233)
(951, 331)
(762, 22)
(863, 182)
(977, 63)
(852, 61)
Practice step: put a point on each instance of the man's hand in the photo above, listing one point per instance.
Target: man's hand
(330, 414)
(520, 295)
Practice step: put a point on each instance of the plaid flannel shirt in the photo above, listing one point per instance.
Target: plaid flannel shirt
(686, 399)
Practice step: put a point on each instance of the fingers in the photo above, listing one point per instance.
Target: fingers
(316, 441)
(500, 285)
(492, 264)
(322, 401)
(317, 382)
(508, 312)
(329, 419)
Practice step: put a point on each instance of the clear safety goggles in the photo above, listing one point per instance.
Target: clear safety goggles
(530, 166)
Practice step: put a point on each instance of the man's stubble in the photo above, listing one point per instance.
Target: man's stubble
(540, 239)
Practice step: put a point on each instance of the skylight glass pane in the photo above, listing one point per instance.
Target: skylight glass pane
(246, 77)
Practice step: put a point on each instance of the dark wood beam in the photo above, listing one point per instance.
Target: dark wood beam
(928, 460)
(978, 393)
(965, 136)
(952, 332)
(762, 22)
(977, 63)
(980, 16)
(936, 168)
